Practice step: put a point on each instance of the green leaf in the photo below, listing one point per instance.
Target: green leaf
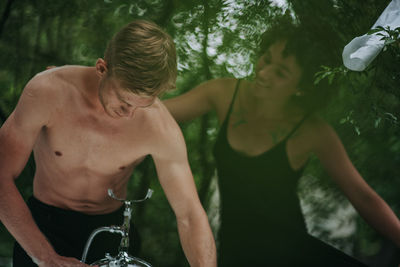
(330, 78)
(393, 117)
(357, 130)
(388, 42)
(377, 122)
(372, 31)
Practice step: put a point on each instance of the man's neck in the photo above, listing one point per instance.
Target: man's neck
(89, 87)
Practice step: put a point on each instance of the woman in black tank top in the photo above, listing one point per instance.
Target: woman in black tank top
(267, 133)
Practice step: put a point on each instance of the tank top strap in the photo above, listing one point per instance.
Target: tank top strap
(296, 127)
(232, 101)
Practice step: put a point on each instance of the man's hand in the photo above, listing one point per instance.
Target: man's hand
(60, 261)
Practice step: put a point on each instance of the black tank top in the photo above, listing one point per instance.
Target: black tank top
(261, 220)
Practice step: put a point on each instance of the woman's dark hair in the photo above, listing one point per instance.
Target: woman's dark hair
(311, 51)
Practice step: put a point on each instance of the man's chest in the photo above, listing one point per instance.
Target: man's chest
(77, 142)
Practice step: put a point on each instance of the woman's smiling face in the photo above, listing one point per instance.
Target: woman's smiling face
(277, 75)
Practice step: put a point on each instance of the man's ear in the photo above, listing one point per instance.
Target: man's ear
(101, 67)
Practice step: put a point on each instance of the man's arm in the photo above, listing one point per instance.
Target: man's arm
(17, 138)
(177, 181)
(367, 202)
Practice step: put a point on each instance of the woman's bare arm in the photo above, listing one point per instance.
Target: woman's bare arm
(367, 202)
(198, 101)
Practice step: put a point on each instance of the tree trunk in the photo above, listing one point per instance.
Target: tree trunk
(5, 15)
(37, 45)
(205, 121)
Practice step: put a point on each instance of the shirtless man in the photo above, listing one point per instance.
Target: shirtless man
(88, 128)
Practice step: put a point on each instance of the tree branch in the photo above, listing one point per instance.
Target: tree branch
(5, 16)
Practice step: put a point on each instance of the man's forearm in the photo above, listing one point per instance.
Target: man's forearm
(16, 217)
(197, 240)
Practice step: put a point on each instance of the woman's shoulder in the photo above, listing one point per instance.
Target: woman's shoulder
(314, 123)
(316, 131)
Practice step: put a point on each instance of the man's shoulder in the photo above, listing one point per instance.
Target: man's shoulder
(48, 82)
(159, 123)
(39, 99)
(41, 88)
(56, 83)
(163, 133)
(159, 119)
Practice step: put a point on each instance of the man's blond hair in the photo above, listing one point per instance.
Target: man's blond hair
(142, 57)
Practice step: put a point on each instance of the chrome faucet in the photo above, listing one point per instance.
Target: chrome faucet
(122, 259)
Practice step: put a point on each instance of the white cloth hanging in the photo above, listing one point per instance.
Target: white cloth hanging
(362, 50)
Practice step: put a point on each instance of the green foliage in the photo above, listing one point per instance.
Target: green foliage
(329, 73)
(390, 36)
(218, 39)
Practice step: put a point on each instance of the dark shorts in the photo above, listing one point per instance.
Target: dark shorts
(69, 230)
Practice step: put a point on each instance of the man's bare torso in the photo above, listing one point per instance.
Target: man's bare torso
(83, 151)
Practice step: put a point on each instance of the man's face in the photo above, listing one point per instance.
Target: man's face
(119, 102)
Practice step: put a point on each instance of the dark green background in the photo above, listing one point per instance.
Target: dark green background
(218, 39)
